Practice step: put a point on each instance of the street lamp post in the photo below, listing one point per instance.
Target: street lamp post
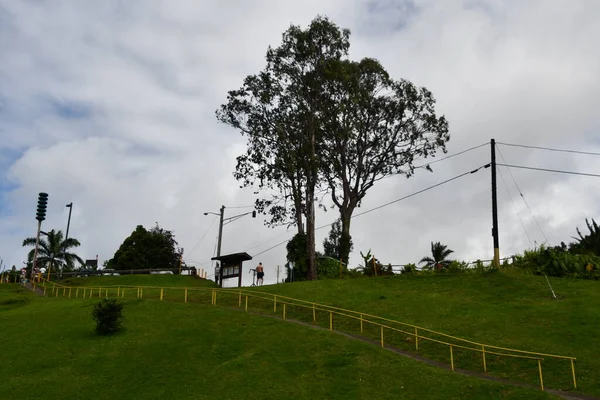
(221, 222)
(70, 207)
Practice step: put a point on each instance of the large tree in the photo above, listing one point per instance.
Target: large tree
(280, 111)
(375, 127)
(146, 249)
(53, 252)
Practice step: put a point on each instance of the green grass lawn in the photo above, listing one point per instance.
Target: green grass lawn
(171, 350)
(508, 310)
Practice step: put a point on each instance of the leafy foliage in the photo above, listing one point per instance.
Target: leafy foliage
(108, 314)
(438, 259)
(558, 262)
(590, 243)
(279, 110)
(373, 267)
(53, 252)
(143, 249)
(331, 244)
(375, 127)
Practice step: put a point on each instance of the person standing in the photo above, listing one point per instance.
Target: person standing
(260, 273)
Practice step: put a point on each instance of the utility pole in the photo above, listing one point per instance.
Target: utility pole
(495, 206)
(220, 231)
(70, 207)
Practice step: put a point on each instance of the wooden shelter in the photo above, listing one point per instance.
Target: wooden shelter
(231, 266)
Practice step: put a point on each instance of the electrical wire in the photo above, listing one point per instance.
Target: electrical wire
(515, 207)
(551, 170)
(199, 241)
(589, 153)
(453, 155)
(387, 204)
(524, 200)
(420, 166)
(420, 191)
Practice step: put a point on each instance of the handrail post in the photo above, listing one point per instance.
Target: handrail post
(106, 292)
(275, 304)
(123, 293)
(314, 314)
(451, 358)
(246, 303)
(118, 291)
(64, 291)
(416, 339)
(240, 299)
(56, 293)
(483, 355)
(382, 337)
(284, 311)
(361, 323)
(573, 371)
(541, 378)
(186, 296)
(84, 293)
(330, 320)
(44, 290)
(70, 292)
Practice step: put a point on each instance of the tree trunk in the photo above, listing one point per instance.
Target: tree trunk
(311, 182)
(310, 237)
(345, 238)
(299, 222)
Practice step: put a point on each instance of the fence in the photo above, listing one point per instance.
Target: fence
(362, 321)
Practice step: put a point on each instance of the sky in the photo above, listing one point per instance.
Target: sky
(110, 105)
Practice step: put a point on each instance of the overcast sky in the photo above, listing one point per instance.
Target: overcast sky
(110, 105)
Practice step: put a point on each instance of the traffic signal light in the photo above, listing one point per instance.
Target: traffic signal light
(253, 214)
(41, 208)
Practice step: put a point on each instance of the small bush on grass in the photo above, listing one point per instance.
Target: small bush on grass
(108, 314)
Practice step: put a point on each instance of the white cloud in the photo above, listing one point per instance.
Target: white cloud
(149, 148)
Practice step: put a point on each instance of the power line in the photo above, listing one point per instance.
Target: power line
(523, 197)
(589, 153)
(453, 155)
(387, 204)
(515, 207)
(199, 241)
(389, 176)
(551, 170)
(420, 191)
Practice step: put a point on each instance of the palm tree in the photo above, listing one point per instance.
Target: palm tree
(438, 260)
(589, 243)
(53, 251)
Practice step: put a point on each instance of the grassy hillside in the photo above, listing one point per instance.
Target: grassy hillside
(514, 311)
(177, 351)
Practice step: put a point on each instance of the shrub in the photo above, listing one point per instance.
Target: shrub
(108, 314)
(410, 269)
(559, 263)
(328, 268)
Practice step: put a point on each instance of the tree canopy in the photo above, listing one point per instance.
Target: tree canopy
(146, 249)
(53, 252)
(318, 123)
